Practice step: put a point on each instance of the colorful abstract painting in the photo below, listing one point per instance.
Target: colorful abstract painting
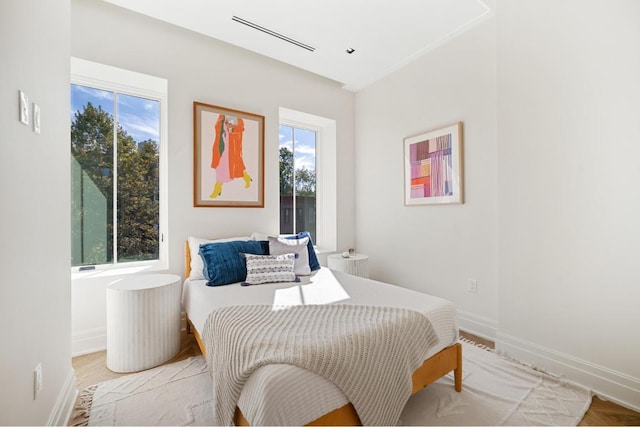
(228, 157)
(433, 167)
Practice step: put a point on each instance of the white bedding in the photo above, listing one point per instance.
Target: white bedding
(291, 395)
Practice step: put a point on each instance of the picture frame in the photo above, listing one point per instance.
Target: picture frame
(228, 157)
(433, 167)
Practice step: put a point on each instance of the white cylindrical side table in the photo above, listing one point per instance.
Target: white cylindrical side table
(356, 264)
(143, 321)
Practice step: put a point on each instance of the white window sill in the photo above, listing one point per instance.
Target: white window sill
(120, 270)
(322, 251)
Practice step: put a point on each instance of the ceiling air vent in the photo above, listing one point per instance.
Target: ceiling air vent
(272, 33)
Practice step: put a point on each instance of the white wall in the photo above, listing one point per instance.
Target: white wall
(433, 249)
(35, 307)
(569, 133)
(549, 93)
(201, 69)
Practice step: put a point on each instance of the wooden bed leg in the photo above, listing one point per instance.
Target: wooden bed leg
(457, 372)
(187, 323)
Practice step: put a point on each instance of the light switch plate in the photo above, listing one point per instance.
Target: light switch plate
(24, 108)
(36, 118)
(37, 381)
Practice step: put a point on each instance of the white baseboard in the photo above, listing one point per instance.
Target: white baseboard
(611, 385)
(88, 341)
(65, 402)
(480, 326)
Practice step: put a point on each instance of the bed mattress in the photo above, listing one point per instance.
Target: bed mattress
(286, 394)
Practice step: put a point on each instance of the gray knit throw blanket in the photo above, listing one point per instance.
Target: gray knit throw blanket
(370, 353)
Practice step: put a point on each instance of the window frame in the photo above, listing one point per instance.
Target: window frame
(326, 172)
(126, 82)
(317, 131)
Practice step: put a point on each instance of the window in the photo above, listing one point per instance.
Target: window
(118, 128)
(297, 180)
(308, 176)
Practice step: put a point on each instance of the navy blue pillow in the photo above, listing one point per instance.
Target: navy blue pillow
(223, 263)
(314, 264)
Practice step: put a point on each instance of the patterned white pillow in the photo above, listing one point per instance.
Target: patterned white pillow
(270, 269)
(280, 245)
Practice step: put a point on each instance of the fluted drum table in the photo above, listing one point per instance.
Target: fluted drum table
(143, 321)
(356, 264)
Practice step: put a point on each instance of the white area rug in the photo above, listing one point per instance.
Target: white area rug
(495, 391)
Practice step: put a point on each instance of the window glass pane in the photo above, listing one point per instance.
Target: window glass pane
(305, 179)
(286, 179)
(91, 176)
(138, 178)
(297, 180)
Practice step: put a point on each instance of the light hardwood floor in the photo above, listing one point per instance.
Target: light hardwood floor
(92, 369)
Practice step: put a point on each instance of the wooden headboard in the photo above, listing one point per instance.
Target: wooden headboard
(187, 260)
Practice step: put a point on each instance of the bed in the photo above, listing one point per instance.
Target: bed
(310, 398)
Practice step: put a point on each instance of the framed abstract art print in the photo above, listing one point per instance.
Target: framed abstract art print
(228, 157)
(433, 167)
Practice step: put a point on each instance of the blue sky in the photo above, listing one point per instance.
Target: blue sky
(305, 152)
(139, 117)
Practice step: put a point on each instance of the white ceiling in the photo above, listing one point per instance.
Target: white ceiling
(386, 34)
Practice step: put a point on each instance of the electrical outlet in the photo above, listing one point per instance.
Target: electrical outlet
(472, 286)
(37, 381)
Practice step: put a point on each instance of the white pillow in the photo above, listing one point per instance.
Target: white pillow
(281, 246)
(197, 266)
(270, 269)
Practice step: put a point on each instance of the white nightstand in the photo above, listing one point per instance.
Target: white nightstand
(356, 264)
(143, 321)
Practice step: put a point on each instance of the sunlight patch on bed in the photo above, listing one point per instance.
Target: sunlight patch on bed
(322, 288)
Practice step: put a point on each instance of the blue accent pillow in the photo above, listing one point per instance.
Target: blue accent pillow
(314, 264)
(223, 263)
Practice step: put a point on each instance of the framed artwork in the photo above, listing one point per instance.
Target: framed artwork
(228, 157)
(433, 167)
